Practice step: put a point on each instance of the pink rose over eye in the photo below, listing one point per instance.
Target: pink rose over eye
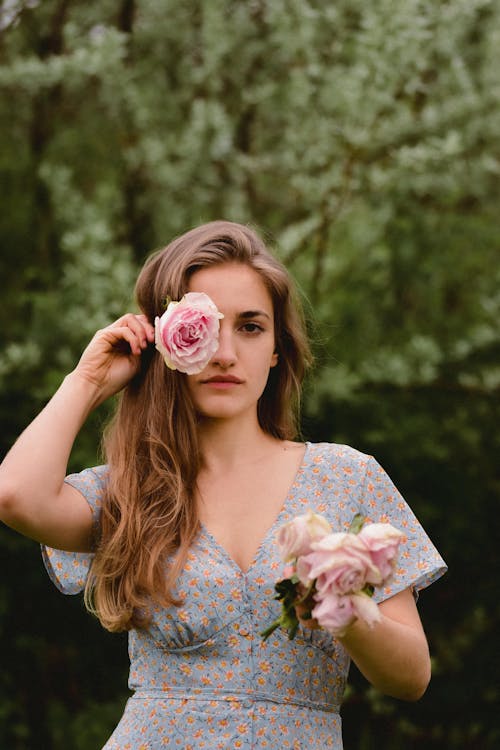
(187, 334)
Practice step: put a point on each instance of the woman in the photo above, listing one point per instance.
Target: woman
(178, 528)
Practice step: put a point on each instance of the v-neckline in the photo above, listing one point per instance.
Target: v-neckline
(271, 530)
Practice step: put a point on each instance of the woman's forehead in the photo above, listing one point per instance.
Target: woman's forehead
(234, 287)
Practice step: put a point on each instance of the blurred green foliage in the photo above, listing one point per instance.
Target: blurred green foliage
(364, 140)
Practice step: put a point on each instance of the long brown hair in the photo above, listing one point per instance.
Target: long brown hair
(149, 515)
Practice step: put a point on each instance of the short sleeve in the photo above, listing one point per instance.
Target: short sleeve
(69, 570)
(419, 563)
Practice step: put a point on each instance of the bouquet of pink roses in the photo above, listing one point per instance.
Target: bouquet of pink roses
(331, 577)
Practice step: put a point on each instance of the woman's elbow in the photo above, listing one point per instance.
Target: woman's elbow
(12, 507)
(7, 502)
(413, 687)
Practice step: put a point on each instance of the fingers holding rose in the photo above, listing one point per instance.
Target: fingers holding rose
(132, 330)
(113, 356)
(304, 614)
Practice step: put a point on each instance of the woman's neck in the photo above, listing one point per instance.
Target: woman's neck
(227, 443)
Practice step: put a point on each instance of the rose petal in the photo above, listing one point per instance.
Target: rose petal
(295, 538)
(382, 540)
(366, 609)
(334, 613)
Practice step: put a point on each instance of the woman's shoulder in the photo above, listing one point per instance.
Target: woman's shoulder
(336, 453)
(335, 462)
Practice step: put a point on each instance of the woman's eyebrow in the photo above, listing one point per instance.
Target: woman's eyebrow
(253, 314)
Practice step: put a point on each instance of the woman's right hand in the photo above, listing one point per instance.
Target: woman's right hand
(113, 356)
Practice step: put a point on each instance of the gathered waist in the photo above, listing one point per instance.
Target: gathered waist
(241, 697)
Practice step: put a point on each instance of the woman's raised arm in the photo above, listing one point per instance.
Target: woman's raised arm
(34, 499)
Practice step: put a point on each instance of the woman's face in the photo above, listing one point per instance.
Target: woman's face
(234, 379)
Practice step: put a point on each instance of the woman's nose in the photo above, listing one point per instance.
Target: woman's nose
(225, 356)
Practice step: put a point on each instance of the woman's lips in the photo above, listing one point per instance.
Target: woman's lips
(222, 381)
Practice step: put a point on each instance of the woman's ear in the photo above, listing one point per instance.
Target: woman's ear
(274, 359)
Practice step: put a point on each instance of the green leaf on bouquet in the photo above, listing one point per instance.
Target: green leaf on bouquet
(286, 593)
(357, 523)
(368, 589)
(286, 590)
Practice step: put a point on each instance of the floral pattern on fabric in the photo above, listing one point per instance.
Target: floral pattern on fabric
(201, 674)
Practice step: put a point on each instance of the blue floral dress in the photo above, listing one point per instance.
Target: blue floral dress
(201, 675)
